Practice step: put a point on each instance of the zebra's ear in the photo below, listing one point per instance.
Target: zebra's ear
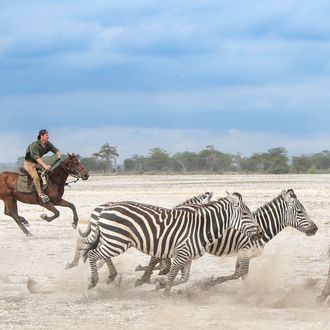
(234, 198)
(287, 196)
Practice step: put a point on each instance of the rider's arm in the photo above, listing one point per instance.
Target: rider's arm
(43, 164)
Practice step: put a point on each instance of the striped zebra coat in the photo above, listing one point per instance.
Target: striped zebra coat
(285, 210)
(92, 229)
(182, 234)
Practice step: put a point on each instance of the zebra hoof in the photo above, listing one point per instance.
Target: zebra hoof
(139, 268)
(69, 265)
(167, 292)
(160, 285)
(322, 298)
(139, 282)
(92, 283)
(111, 278)
(163, 271)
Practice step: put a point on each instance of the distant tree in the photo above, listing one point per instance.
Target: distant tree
(301, 164)
(255, 163)
(94, 164)
(276, 161)
(189, 161)
(158, 160)
(134, 164)
(321, 160)
(108, 153)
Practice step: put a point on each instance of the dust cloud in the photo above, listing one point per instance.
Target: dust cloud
(281, 291)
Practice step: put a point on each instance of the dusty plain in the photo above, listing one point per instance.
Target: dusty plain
(280, 292)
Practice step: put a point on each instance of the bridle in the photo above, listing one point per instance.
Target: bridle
(75, 173)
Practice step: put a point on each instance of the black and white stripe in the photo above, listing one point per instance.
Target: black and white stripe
(182, 234)
(92, 228)
(283, 211)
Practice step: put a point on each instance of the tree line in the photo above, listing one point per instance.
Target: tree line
(208, 160)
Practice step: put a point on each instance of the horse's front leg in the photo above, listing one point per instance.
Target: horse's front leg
(64, 203)
(50, 207)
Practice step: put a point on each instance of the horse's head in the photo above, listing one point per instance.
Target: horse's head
(74, 167)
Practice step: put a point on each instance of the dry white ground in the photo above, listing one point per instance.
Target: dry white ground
(280, 293)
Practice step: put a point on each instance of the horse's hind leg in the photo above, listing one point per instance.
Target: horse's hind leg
(11, 210)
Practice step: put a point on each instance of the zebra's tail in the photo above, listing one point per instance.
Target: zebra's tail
(91, 245)
(87, 232)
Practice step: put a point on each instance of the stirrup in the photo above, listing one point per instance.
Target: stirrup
(44, 198)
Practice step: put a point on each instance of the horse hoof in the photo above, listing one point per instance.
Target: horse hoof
(74, 226)
(28, 234)
(139, 268)
(25, 223)
(43, 216)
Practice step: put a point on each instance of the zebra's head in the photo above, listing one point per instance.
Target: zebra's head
(244, 220)
(297, 216)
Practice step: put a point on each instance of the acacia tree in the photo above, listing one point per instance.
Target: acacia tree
(108, 153)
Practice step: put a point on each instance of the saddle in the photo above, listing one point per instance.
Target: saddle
(25, 182)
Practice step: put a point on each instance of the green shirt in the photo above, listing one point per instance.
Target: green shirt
(35, 150)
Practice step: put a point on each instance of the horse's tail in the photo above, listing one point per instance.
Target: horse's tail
(91, 245)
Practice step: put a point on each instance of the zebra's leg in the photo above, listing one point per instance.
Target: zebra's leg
(93, 257)
(185, 273)
(165, 266)
(141, 268)
(147, 274)
(326, 290)
(112, 270)
(180, 258)
(241, 270)
(76, 257)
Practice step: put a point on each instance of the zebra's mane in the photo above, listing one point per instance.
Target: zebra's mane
(267, 204)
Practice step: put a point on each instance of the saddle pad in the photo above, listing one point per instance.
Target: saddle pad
(22, 184)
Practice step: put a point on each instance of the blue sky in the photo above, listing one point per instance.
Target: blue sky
(244, 76)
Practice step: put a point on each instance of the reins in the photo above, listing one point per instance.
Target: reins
(66, 169)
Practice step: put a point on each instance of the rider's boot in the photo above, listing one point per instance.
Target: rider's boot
(44, 198)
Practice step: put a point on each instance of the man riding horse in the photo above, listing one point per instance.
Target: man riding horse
(33, 155)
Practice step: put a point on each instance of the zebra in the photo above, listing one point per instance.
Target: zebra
(326, 290)
(284, 210)
(182, 233)
(93, 224)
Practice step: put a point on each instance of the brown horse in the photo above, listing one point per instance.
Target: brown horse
(57, 176)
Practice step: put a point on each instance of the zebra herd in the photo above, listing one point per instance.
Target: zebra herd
(175, 237)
